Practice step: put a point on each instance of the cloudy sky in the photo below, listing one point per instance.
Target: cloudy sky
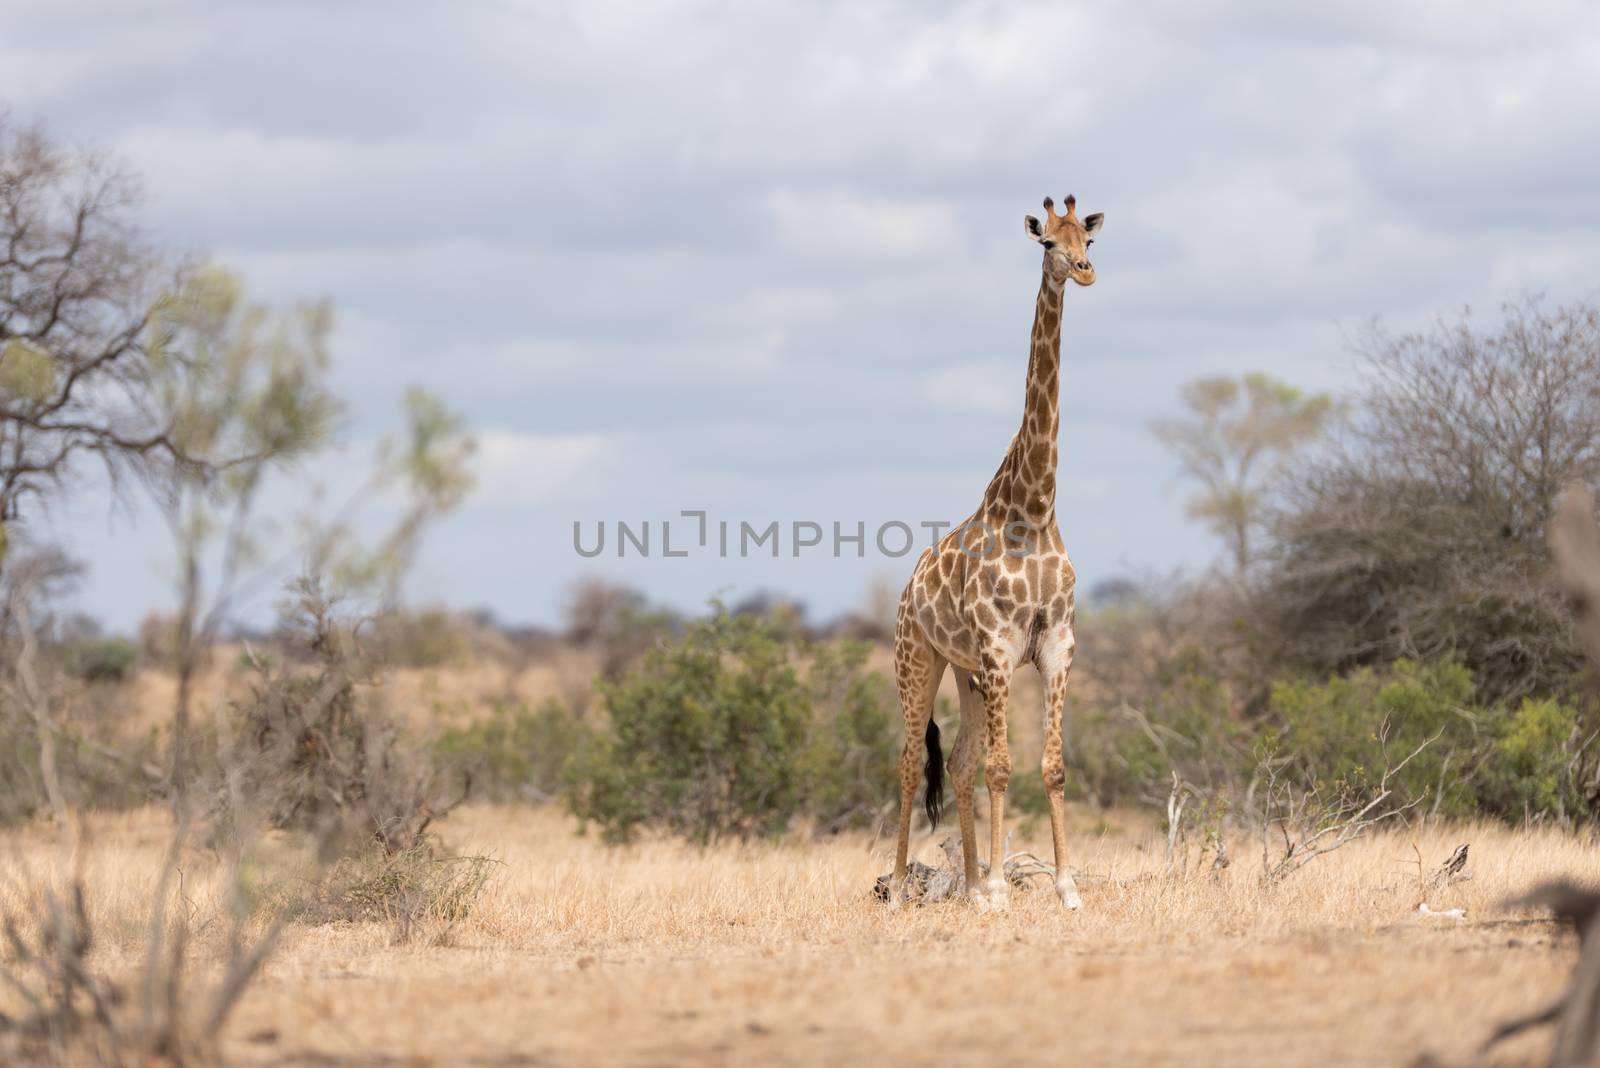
(767, 260)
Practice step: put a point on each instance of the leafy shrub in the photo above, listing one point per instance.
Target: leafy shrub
(1537, 765)
(297, 744)
(518, 753)
(705, 740)
(100, 659)
(852, 763)
(736, 728)
(1333, 731)
(1161, 702)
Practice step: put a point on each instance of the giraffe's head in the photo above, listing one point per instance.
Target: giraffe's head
(1066, 241)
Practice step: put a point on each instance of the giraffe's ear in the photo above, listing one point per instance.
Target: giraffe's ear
(1031, 225)
(1091, 225)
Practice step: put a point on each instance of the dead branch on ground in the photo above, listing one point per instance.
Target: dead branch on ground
(1316, 821)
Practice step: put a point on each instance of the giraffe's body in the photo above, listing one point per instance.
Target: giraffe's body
(996, 593)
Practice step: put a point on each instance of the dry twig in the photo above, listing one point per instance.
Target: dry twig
(1324, 824)
(1177, 799)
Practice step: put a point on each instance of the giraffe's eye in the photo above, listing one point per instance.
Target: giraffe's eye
(1089, 242)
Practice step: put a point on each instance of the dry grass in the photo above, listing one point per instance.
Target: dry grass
(775, 953)
(578, 953)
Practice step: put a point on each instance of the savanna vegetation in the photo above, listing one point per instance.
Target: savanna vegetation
(1390, 585)
(1382, 640)
(1385, 588)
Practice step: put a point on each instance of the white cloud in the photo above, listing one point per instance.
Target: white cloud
(843, 223)
(519, 470)
(989, 387)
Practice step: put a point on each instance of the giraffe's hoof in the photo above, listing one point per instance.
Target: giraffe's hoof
(1067, 891)
(996, 896)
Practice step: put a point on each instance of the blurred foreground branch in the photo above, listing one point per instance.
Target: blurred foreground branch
(1575, 1013)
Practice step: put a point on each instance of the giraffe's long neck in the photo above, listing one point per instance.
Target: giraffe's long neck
(1025, 486)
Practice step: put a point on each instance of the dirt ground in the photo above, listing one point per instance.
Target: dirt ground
(662, 954)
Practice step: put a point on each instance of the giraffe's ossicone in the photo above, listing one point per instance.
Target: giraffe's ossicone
(996, 593)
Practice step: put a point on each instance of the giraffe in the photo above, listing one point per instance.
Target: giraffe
(995, 593)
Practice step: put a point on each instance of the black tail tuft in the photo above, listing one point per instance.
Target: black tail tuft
(933, 800)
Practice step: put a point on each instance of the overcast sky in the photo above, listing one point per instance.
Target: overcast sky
(768, 261)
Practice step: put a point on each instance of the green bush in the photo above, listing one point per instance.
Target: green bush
(739, 727)
(1536, 766)
(100, 659)
(1333, 732)
(734, 729)
(517, 753)
(706, 737)
(1161, 707)
(1515, 763)
(852, 763)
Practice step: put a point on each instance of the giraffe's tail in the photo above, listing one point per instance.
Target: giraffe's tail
(933, 799)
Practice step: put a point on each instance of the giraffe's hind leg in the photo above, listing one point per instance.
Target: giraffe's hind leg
(917, 669)
(964, 774)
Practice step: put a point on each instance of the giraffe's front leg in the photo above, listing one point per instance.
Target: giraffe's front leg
(1055, 768)
(996, 688)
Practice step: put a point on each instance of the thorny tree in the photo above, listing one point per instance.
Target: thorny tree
(1423, 536)
(77, 283)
